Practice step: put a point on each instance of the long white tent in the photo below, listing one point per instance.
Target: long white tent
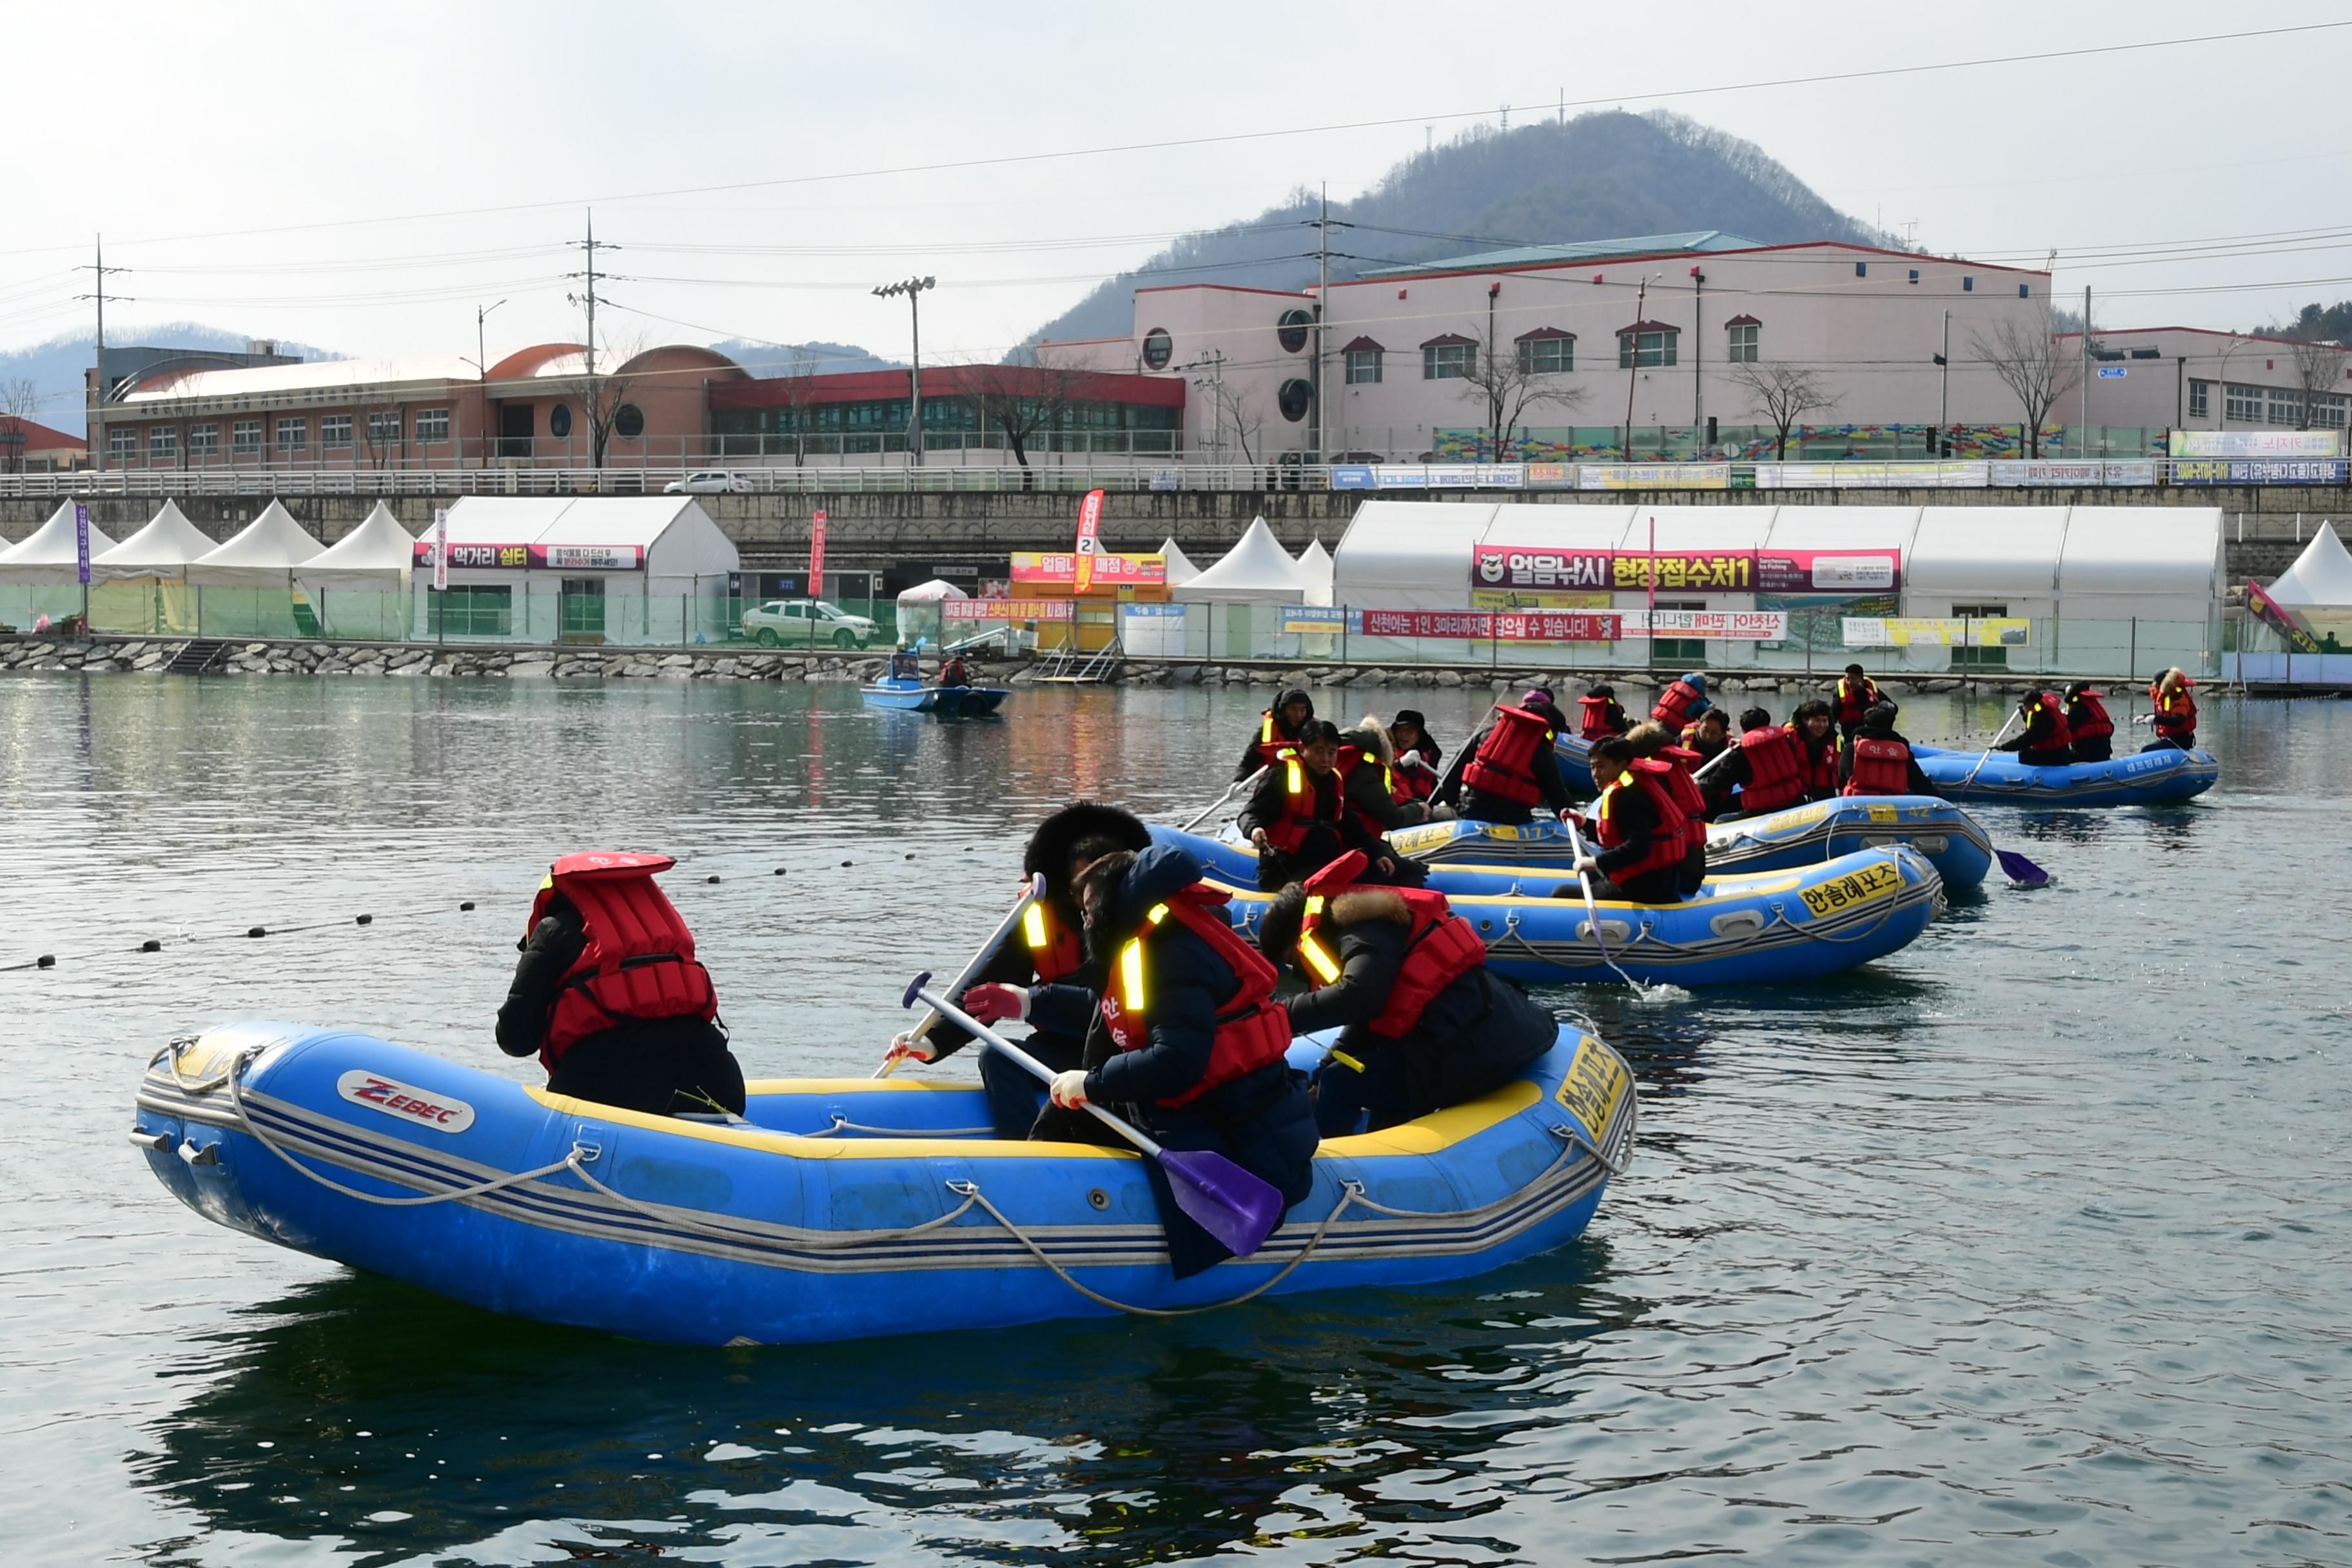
(1256, 570)
(262, 555)
(49, 556)
(163, 549)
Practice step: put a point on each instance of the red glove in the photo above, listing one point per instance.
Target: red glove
(994, 1003)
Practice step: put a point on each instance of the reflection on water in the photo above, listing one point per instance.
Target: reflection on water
(2026, 1241)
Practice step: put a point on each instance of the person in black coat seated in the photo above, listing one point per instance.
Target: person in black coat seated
(2045, 742)
(1398, 1056)
(1551, 795)
(1041, 975)
(1195, 1058)
(1638, 853)
(1878, 725)
(1298, 832)
(1277, 730)
(661, 1066)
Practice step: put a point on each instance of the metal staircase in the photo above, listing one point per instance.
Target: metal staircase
(1068, 667)
(196, 656)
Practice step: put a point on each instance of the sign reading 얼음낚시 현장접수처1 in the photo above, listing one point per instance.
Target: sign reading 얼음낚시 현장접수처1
(1524, 568)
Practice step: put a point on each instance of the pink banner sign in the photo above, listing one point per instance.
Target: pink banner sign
(1829, 571)
(1515, 566)
(1500, 626)
(1005, 609)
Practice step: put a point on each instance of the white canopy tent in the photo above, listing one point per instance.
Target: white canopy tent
(1180, 567)
(163, 549)
(263, 555)
(1258, 570)
(1315, 565)
(50, 555)
(931, 592)
(2321, 577)
(919, 616)
(378, 554)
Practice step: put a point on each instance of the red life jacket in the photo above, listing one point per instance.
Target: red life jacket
(1272, 745)
(2055, 712)
(1880, 767)
(1302, 805)
(1253, 1029)
(1681, 784)
(1775, 768)
(2176, 711)
(1601, 716)
(1668, 843)
(1505, 764)
(1408, 784)
(1819, 775)
(2087, 717)
(1852, 704)
(1441, 948)
(1056, 952)
(638, 959)
(1351, 758)
(1676, 703)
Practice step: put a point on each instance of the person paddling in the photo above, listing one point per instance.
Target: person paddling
(610, 995)
(1512, 773)
(1640, 827)
(2092, 732)
(2044, 741)
(2176, 712)
(1423, 1022)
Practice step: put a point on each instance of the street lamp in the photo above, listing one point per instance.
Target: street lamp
(913, 288)
(482, 373)
(2221, 392)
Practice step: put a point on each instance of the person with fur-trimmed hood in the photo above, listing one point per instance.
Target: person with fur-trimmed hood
(1188, 1041)
(1042, 975)
(1423, 1022)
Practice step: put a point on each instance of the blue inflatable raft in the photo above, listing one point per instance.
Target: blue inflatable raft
(1767, 928)
(2136, 778)
(1474, 857)
(836, 1209)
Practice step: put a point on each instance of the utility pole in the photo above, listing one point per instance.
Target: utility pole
(1215, 359)
(1493, 384)
(2083, 390)
(94, 426)
(1698, 357)
(1634, 370)
(913, 288)
(1944, 383)
(1322, 303)
(598, 413)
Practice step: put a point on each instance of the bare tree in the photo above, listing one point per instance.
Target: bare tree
(2318, 370)
(2037, 370)
(1024, 401)
(1502, 378)
(796, 395)
(19, 398)
(1784, 393)
(379, 423)
(604, 395)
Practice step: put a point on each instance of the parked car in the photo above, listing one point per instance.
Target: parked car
(805, 623)
(710, 484)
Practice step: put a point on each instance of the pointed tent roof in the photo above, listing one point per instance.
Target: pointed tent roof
(378, 554)
(49, 555)
(1180, 567)
(1258, 570)
(1315, 566)
(162, 549)
(2321, 577)
(933, 592)
(265, 553)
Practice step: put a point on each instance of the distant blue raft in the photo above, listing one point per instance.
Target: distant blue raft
(838, 1209)
(1476, 856)
(947, 701)
(1768, 927)
(2136, 778)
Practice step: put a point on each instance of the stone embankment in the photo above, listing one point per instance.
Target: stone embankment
(1485, 679)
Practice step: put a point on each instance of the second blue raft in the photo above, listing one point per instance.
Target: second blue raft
(2136, 778)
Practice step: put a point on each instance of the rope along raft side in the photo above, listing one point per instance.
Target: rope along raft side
(793, 1224)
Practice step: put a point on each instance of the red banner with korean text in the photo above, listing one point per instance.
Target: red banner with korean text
(1498, 626)
(1089, 526)
(817, 556)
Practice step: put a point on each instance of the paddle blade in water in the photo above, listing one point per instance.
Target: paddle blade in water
(2020, 870)
(1224, 1200)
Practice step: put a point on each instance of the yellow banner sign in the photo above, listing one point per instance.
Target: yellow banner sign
(1863, 887)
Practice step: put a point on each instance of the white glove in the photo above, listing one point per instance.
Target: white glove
(1585, 865)
(903, 1044)
(1068, 1090)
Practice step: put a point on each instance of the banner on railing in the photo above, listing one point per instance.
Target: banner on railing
(533, 557)
(1328, 620)
(1005, 609)
(2257, 443)
(2258, 471)
(2039, 472)
(1499, 626)
(1893, 631)
(1433, 476)
(1654, 475)
(1855, 475)
(1060, 568)
(1727, 626)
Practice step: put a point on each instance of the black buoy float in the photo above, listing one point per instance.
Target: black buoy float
(363, 920)
(150, 945)
(46, 961)
(710, 879)
(257, 930)
(466, 905)
(780, 870)
(846, 862)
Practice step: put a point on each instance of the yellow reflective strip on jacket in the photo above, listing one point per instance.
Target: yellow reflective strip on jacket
(1293, 780)
(1033, 927)
(1158, 913)
(1624, 781)
(1326, 968)
(1313, 906)
(1266, 729)
(1130, 976)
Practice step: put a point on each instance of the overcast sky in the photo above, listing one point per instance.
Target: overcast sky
(391, 167)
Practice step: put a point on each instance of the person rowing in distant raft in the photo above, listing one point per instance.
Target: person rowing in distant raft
(1601, 715)
(1367, 766)
(609, 993)
(1706, 737)
(1855, 695)
(1042, 975)
(2176, 712)
(1641, 829)
(1423, 1022)
(2091, 732)
(2045, 742)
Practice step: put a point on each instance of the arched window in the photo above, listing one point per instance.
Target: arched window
(1740, 335)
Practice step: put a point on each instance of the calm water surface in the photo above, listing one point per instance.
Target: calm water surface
(2027, 1245)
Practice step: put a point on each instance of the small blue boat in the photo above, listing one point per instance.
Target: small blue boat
(837, 1209)
(2136, 778)
(1769, 928)
(912, 696)
(1575, 754)
(1471, 856)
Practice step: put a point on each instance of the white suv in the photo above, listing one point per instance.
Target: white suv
(806, 623)
(710, 484)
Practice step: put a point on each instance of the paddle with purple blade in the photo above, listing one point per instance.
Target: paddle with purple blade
(1230, 1204)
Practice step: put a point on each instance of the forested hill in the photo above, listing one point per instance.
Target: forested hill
(1598, 176)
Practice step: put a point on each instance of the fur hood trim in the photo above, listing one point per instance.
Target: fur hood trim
(1369, 904)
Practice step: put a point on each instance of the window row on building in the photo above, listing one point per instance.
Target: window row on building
(429, 427)
(948, 415)
(1547, 351)
(2270, 405)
